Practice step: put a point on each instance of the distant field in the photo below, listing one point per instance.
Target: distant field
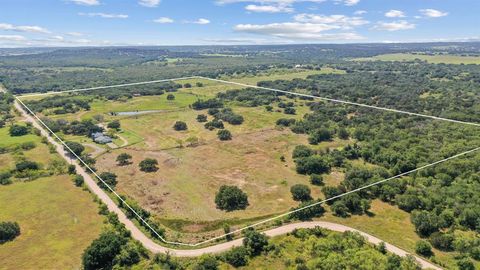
(434, 59)
(57, 220)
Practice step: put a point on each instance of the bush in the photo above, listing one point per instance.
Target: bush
(102, 251)
(320, 135)
(206, 262)
(149, 165)
(302, 151)
(78, 180)
(300, 192)
(231, 198)
(307, 213)
(109, 178)
(343, 134)
(124, 159)
(316, 180)
(224, 135)
(465, 264)
(5, 178)
(289, 110)
(8, 231)
(312, 164)
(75, 147)
(201, 118)
(26, 165)
(71, 169)
(17, 130)
(285, 122)
(237, 256)
(442, 241)
(115, 124)
(339, 209)
(180, 125)
(170, 97)
(254, 242)
(215, 123)
(423, 248)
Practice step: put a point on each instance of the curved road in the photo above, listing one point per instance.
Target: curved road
(156, 248)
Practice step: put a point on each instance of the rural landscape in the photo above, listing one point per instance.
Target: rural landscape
(309, 155)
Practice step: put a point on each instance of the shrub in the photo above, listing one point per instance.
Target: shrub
(102, 251)
(5, 178)
(224, 135)
(201, 118)
(254, 242)
(423, 248)
(285, 122)
(316, 180)
(17, 130)
(149, 165)
(319, 135)
(307, 213)
(206, 262)
(187, 85)
(343, 134)
(339, 209)
(180, 125)
(289, 110)
(215, 123)
(237, 256)
(231, 198)
(300, 192)
(199, 84)
(115, 124)
(124, 159)
(71, 169)
(302, 151)
(109, 178)
(78, 180)
(312, 164)
(75, 147)
(26, 165)
(442, 241)
(170, 97)
(8, 231)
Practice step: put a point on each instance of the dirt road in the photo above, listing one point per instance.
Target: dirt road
(156, 248)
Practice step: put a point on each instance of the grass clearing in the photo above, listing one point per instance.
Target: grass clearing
(57, 220)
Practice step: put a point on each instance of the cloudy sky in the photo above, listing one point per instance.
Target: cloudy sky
(188, 22)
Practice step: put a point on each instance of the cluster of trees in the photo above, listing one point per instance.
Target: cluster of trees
(81, 128)
(250, 97)
(16, 130)
(207, 104)
(226, 115)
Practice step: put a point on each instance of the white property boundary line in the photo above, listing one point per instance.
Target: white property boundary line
(244, 85)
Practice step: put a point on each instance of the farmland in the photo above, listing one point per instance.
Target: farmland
(434, 59)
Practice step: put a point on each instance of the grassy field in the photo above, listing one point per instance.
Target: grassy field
(434, 59)
(7, 141)
(57, 220)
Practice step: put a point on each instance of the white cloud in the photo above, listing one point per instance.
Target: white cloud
(341, 21)
(393, 13)
(276, 2)
(149, 3)
(201, 21)
(163, 20)
(433, 13)
(12, 38)
(297, 30)
(86, 2)
(348, 2)
(104, 15)
(75, 34)
(394, 26)
(360, 12)
(23, 28)
(269, 8)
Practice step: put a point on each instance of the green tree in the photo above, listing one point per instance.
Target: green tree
(343, 134)
(224, 135)
(254, 242)
(180, 125)
(115, 124)
(205, 262)
(316, 179)
(149, 165)
(237, 256)
(75, 147)
(320, 135)
(307, 211)
(170, 97)
(102, 251)
(231, 198)
(201, 118)
(124, 159)
(78, 180)
(8, 231)
(423, 248)
(300, 192)
(17, 130)
(339, 209)
(109, 178)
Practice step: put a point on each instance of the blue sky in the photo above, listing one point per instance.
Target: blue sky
(197, 22)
